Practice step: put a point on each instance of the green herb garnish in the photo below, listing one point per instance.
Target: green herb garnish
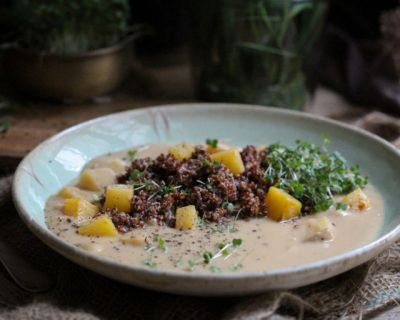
(311, 174)
(135, 173)
(235, 266)
(215, 269)
(150, 263)
(212, 143)
(237, 242)
(207, 256)
(132, 154)
(341, 206)
(161, 244)
(192, 264)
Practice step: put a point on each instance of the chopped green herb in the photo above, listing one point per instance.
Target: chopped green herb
(132, 153)
(215, 269)
(237, 242)
(212, 142)
(326, 138)
(192, 264)
(341, 206)
(235, 266)
(224, 248)
(207, 256)
(210, 164)
(167, 189)
(161, 244)
(135, 173)
(150, 263)
(311, 174)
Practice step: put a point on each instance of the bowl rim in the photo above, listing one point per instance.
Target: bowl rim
(55, 242)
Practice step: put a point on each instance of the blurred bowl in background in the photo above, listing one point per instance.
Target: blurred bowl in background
(74, 77)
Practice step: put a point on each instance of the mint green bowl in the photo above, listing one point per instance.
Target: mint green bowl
(60, 159)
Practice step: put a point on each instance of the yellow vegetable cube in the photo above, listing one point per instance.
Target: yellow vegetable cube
(281, 205)
(186, 217)
(319, 229)
(119, 196)
(181, 151)
(101, 226)
(96, 179)
(357, 200)
(231, 159)
(79, 207)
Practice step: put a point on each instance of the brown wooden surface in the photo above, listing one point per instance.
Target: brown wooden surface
(34, 121)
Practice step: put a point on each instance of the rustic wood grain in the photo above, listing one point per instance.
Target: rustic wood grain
(33, 122)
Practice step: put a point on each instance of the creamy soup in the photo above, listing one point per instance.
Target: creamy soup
(252, 244)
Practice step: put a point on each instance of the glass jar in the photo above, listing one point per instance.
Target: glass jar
(252, 51)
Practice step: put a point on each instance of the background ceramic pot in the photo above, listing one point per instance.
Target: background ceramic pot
(69, 77)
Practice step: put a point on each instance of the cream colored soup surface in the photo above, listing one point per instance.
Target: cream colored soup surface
(266, 244)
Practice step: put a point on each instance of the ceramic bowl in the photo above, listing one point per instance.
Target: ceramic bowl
(60, 159)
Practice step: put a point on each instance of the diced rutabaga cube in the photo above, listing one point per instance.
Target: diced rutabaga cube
(319, 229)
(96, 179)
(231, 159)
(186, 217)
(281, 205)
(357, 200)
(79, 207)
(101, 226)
(181, 151)
(136, 238)
(119, 196)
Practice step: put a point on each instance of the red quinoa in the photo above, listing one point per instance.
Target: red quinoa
(166, 183)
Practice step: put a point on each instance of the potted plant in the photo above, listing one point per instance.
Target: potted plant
(252, 51)
(66, 49)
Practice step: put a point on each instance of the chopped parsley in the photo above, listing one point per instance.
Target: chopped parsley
(135, 173)
(161, 244)
(224, 249)
(237, 242)
(213, 143)
(341, 206)
(207, 257)
(132, 154)
(311, 174)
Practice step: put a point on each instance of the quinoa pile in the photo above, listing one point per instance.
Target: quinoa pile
(164, 184)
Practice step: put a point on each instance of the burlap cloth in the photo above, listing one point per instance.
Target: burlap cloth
(82, 294)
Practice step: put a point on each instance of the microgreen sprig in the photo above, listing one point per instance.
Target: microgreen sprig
(311, 174)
